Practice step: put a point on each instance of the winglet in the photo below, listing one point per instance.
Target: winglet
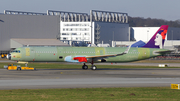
(127, 50)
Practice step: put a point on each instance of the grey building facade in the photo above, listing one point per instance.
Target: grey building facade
(26, 27)
(108, 32)
(173, 33)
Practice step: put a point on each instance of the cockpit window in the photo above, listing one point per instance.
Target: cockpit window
(16, 51)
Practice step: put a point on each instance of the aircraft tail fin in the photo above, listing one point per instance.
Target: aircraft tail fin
(157, 41)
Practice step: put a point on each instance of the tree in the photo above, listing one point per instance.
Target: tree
(142, 22)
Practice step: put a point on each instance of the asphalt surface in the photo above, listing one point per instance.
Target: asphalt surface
(128, 64)
(77, 78)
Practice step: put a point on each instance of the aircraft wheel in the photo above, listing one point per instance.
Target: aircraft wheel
(85, 67)
(93, 67)
(18, 68)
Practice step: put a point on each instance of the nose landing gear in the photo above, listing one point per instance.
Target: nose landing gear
(85, 67)
(8, 56)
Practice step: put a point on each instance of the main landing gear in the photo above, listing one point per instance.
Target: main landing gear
(85, 67)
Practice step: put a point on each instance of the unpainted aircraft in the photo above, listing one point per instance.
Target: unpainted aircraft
(93, 54)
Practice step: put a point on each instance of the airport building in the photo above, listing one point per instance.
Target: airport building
(99, 26)
(145, 33)
(69, 27)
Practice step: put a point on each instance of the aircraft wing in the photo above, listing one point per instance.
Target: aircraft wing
(84, 59)
(112, 55)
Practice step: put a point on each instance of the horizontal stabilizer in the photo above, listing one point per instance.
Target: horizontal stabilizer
(164, 52)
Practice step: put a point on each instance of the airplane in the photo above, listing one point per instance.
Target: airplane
(93, 54)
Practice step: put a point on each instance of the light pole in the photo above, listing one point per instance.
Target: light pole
(113, 35)
(147, 35)
(172, 36)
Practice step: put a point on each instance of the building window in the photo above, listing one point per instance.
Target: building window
(74, 33)
(86, 33)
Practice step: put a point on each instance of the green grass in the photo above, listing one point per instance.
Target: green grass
(76, 66)
(92, 94)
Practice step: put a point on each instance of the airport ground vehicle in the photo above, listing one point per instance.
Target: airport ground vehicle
(3, 55)
(18, 67)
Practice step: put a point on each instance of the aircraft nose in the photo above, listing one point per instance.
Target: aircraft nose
(8, 56)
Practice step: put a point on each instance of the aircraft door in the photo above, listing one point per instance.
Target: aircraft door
(29, 54)
(100, 51)
(27, 51)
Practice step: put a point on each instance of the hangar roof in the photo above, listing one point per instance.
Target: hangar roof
(36, 42)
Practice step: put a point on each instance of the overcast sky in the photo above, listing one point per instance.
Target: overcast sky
(160, 9)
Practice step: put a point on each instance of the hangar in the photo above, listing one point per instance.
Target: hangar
(68, 27)
(99, 26)
(145, 33)
(35, 42)
(21, 26)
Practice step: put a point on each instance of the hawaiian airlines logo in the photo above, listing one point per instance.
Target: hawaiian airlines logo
(160, 37)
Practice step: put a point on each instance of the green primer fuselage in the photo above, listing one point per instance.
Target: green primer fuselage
(48, 54)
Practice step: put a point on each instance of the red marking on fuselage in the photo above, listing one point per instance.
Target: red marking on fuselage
(80, 59)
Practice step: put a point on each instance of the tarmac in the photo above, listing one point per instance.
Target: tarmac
(77, 78)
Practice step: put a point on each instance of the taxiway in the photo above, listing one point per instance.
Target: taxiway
(77, 78)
